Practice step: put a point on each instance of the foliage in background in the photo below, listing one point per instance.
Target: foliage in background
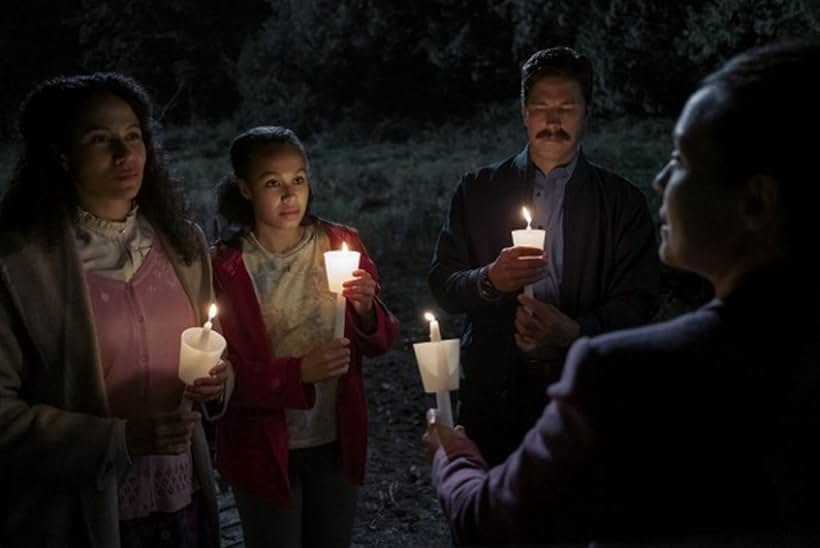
(184, 51)
(723, 26)
(316, 62)
(390, 67)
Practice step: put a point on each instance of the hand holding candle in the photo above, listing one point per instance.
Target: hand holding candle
(339, 266)
(438, 365)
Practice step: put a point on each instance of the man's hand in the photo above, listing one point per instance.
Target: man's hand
(516, 267)
(541, 324)
(161, 434)
(441, 435)
(326, 360)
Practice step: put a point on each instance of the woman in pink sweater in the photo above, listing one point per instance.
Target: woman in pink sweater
(99, 273)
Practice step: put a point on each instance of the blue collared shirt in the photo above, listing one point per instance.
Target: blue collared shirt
(548, 200)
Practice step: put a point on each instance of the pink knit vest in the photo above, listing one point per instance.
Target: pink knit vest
(138, 325)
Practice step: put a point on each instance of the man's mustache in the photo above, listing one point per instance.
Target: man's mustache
(552, 134)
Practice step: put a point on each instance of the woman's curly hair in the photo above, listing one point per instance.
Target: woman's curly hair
(41, 193)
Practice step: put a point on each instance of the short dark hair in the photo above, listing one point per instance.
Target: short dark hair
(41, 193)
(557, 61)
(764, 125)
(231, 204)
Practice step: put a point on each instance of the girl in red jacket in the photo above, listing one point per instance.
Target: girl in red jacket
(293, 443)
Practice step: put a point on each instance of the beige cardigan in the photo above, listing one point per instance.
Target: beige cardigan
(60, 451)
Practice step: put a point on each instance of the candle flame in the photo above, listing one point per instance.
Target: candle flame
(527, 216)
(211, 312)
(429, 317)
(344, 246)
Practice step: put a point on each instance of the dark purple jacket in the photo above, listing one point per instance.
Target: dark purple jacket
(705, 426)
(611, 275)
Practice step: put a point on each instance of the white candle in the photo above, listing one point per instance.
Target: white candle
(529, 237)
(199, 350)
(443, 404)
(339, 267)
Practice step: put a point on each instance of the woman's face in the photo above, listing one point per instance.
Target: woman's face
(277, 186)
(701, 222)
(105, 154)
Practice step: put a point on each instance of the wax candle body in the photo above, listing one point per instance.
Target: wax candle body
(196, 359)
(339, 267)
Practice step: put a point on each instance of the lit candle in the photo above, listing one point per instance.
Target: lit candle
(529, 237)
(206, 328)
(199, 349)
(339, 267)
(435, 333)
(441, 368)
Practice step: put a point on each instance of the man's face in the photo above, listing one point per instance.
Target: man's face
(700, 214)
(554, 117)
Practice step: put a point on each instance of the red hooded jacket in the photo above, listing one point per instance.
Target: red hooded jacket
(252, 437)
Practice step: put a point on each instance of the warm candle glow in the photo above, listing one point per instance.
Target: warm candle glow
(344, 246)
(435, 332)
(527, 216)
(211, 312)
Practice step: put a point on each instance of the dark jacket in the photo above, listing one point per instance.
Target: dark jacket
(611, 274)
(252, 438)
(702, 427)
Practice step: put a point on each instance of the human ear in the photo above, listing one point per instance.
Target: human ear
(761, 204)
(61, 156)
(244, 188)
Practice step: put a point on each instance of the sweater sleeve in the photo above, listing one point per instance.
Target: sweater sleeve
(453, 279)
(41, 442)
(541, 490)
(387, 326)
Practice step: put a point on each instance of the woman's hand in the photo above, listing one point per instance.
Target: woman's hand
(161, 434)
(209, 388)
(361, 291)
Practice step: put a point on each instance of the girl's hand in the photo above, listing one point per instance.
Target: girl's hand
(209, 388)
(360, 291)
(326, 360)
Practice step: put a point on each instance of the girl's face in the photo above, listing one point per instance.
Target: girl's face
(105, 154)
(277, 186)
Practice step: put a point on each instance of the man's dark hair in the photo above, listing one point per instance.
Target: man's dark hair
(232, 205)
(766, 122)
(41, 193)
(557, 61)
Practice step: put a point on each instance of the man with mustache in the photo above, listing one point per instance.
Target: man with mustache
(598, 271)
